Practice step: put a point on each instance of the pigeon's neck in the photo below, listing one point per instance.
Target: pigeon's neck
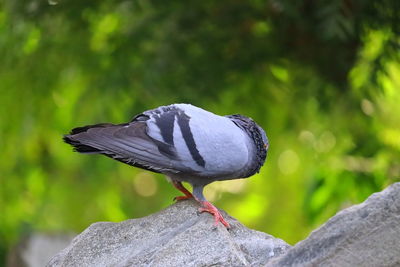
(255, 134)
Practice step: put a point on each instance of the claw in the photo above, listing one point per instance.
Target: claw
(210, 208)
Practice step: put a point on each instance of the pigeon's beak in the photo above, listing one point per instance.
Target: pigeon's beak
(266, 146)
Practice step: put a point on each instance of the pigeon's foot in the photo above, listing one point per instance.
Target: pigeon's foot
(210, 208)
(180, 187)
(179, 198)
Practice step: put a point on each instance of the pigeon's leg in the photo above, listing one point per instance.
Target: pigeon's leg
(208, 207)
(180, 187)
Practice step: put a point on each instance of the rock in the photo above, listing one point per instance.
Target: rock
(367, 234)
(176, 236)
(37, 249)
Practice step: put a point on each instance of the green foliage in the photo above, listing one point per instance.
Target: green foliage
(321, 77)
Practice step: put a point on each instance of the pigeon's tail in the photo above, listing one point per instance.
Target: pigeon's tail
(127, 142)
(78, 145)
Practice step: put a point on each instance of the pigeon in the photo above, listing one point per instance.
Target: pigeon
(184, 142)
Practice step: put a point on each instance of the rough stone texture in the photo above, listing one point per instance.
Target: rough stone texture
(37, 249)
(367, 234)
(176, 236)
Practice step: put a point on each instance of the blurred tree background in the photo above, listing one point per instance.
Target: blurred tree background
(322, 77)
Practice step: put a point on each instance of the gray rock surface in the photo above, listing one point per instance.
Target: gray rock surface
(367, 234)
(176, 236)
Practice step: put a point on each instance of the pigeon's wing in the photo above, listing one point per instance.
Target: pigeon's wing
(211, 145)
(128, 143)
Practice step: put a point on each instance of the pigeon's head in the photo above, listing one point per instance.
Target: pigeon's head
(256, 133)
(263, 136)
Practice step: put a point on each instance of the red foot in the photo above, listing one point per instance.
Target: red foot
(183, 197)
(180, 187)
(210, 208)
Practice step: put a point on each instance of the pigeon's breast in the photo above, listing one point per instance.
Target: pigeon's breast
(221, 144)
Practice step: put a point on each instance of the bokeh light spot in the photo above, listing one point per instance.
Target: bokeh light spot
(288, 161)
(214, 190)
(307, 137)
(145, 184)
(367, 107)
(326, 142)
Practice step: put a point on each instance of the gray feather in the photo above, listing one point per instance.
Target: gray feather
(128, 143)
